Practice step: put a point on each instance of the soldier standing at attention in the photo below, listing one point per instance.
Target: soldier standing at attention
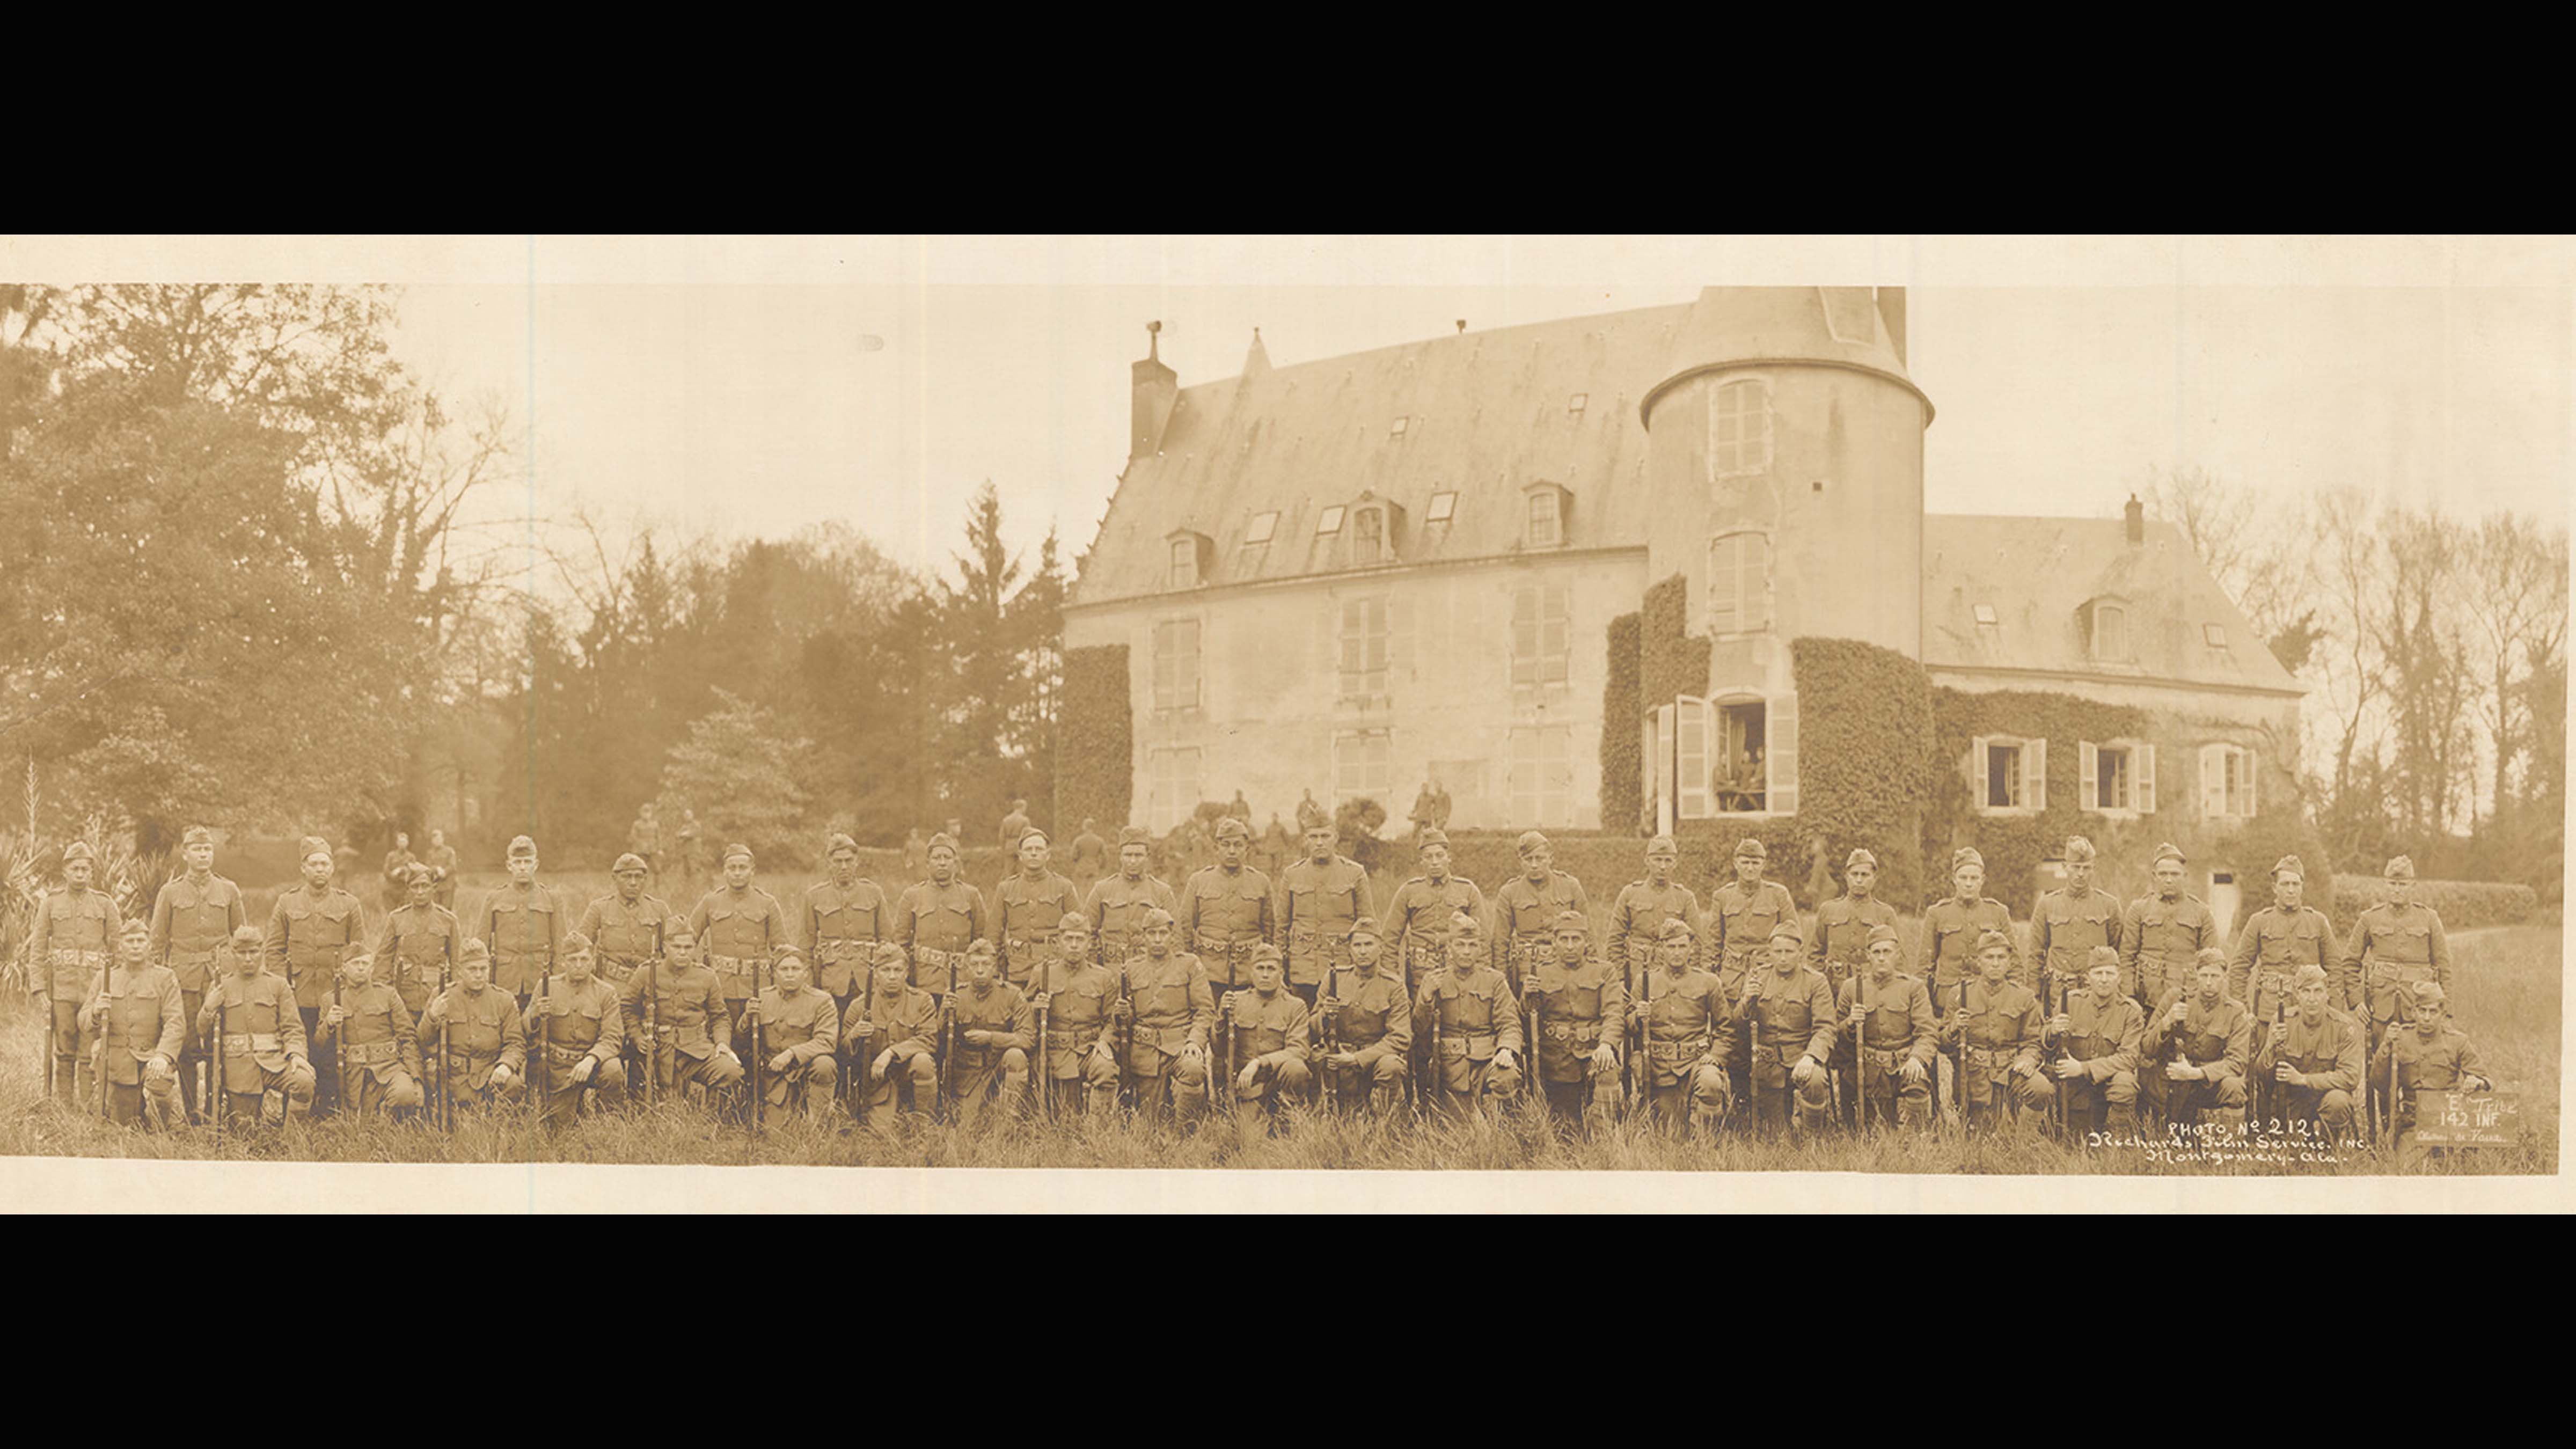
(524, 924)
(441, 861)
(1077, 993)
(937, 918)
(1582, 1010)
(133, 1014)
(2315, 1060)
(1030, 904)
(76, 933)
(894, 1028)
(1527, 905)
(311, 931)
(916, 858)
(2201, 1037)
(644, 837)
(1418, 918)
(1896, 1034)
(1637, 919)
(1368, 1031)
(1743, 913)
(1014, 825)
(845, 917)
(2276, 941)
(192, 917)
(1166, 995)
(741, 928)
(1310, 814)
(2097, 1034)
(1682, 1013)
(1117, 905)
(2068, 923)
(1090, 853)
(267, 1075)
(692, 850)
(487, 1046)
(1270, 1028)
(1847, 924)
(2426, 1053)
(801, 1030)
(398, 864)
(1320, 898)
(1479, 1024)
(2002, 1024)
(1951, 927)
(2395, 945)
(1225, 908)
(416, 950)
(1788, 1012)
(626, 926)
(2166, 929)
(996, 1028)
(577, 1030)
(675, 1006)
(371, 1033)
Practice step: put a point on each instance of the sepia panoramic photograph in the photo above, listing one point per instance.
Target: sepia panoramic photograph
(1332, 722)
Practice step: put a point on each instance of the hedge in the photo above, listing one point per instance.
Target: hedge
(1623, 802)
(2462, 904)
(1095, 739)
(1603, 861)
(1865, 757)
(1671, 661)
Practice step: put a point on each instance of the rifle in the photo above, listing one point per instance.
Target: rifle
(1960, 1068)
(98, 1048)
(541, 1068)
(1046, 1064)
(1225, 1029)
(1530, 1004)
(2057, 994)
(340, 1045)
(947, 1055)
(222, 1089)
(1442, 1086)
(759, 1066)
(1332, 1099)
(652, 1053)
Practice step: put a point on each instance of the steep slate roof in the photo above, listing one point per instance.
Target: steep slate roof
(1486, 415)
(2039, 573)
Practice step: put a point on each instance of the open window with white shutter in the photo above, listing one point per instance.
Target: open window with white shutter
(2146, 790)
(2034, 775)
(1975, 770)
(1783, 758)
(1691, 758)
(2213, 781)
(2088, 786)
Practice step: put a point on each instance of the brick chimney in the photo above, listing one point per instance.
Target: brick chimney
(1155, 389)
(2137, 515)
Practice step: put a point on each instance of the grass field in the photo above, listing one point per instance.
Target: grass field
(2506, 996)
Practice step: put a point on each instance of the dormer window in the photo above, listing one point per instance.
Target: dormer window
(1192, 558)
(1185, 564)
(1262, 526)
(1329, 522)
(1574, 405)
(1986, 616)
(2214, 635)
(1397, 431)
(1368, 535)
(1543, 515)
(2110, 630)
(1444, 506)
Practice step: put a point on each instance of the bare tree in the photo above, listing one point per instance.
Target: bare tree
(2517, 581)
(2255, 553)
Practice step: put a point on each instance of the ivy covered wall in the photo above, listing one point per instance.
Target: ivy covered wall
(1622, 708)
(1864, 758)
(1095, 739)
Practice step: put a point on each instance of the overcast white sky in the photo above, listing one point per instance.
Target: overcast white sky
(722, 383)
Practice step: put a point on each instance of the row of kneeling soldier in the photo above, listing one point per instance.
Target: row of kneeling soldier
(1130, 994)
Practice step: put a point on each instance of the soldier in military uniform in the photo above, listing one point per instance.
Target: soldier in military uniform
(2067, 924)
(2394, 945)
(371, 1035)
(1896, 1036)
(676, 1007)
(577, 1036)
(692, 852)
(1582, 1006)
(266, 1074)
(1788, 1011)
(311, 930)
(2164, 932)
(1224, 909)
(1167, 1011)
(800, 1028)
(1847, 924)
(416, 950)
(1637, 917)
(75, 937)
(487, 1045)
(1418, 917)
(2097, 1035)
(1310, 814)
(1682, 1014)
(523, 923)
(398, 864)
(2273, 944)
(2001, 1022)
(741, 928)
(1951, 927)
(133, 1015)
(441, 860)
(1117, 905)
(894, 1029)
(2200, 1038)
(996, 1029)
(1366, 1025)
(628, 926)
(1030, 903)
(191, 918)
(1527, 905)
(845, 917)
(1268, 1032)
(1469, 1008)
(1077, 993)
(2315, 1061)
(1320, 898)
(2427, 1053)
(1743, 912)
(1090, 859)
(936, 919)
(644, 837)
(1014, 825)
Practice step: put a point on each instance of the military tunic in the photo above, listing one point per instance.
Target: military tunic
(1689, 1034)
(567, 1023)
(1116, 909)
(807, 1027)
(1080, 995)
(677, 1006)
(1268, 1035)
(75, 938)
(1318, 905)
(1417, 921)
(2269, 951)
(1899, 1027)
(2218, 1039)
(191, 920)
(907, 1025)
(310, 933)
(1640, 912)
(1740, 923)
(1029, 910)
(843, 924)
(417, 953)
(1090, 857)
(441, 861)
(1791, 1016)
(626, 936)
(257, 1038)
(1369, 1015)
(935, 924)
(2329, 1052)
(2064, 929)
(1175, 1010)
(2391, 950)
(1002, 1063)
(2418, 1065)
(378, 1052)
(524, 926)
(1840, 947)
(2160, 939)
(741, 936)
(2003, 1027)
(1223, 914)
(1578, 1008)
(1524, 924)
(134, 1016)
(2107, 1036)
(484, 1033)
(1950, 930)
(1469, 1015)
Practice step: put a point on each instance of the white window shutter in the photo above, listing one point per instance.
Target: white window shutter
(1691, 750)
(1399, 640)
(1780, 760)
(2088, 783)
(2250, 773)
(2142, 777)
(1977, 771)
(2034, 775)
(2213, 781)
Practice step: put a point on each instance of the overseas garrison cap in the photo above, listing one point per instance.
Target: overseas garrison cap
(2428, 993)
(77, 850)
(1134, 835)
(838, 843)
(576, 941)
(980, 946)
(474, 950)
(521, 845)
(1264, 951)
(1788, 931)
(2208, 956)
(1232, 825)
(2168, 851)
(418, 874)
(737, 848)
(1042, 835)
(1461, 920)
(787, 954)
(888, 951)
(629, 861)
(943, 841)
(2400, 868)
(1674, 926)
(1966, 855)
(2291, 864)
(305, 848)
(1154, 916)
(2311, 974)
(1366, 927)
(1663, 844)
(2101, 956)
(2078, 848)
(245, 938)
(1072, 925)
(197, 835)
(1431, 837)
(1882, 933)
(1573, 920)
(1531, 840)
(137, 926)
(1860, 857)
(1990, 939)
(1751, 848)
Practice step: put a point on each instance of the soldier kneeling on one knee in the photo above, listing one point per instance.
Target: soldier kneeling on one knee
(377, 1052)
(2314, 1060)
(578, 1031)
(255, 1034)
(1467, 1008)
(1891, 1016)
(487, 1045)
(1367, 1025)
(1581, 1003)
(2202, 1036)
(134, 1014)
(892, 1031)
(1269, 1028)
(1686, 1034)
(2096, 1033)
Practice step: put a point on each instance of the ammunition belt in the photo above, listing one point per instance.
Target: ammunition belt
(70, 956)
(371, 1053)
(253, 1042)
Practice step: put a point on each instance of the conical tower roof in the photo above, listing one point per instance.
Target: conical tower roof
(1740, 326)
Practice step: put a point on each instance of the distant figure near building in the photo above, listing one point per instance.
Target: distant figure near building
(398, 864)
(1240, 809)
(1090, 853)
(1015, 825)
(692, 848)
(644, 838)
(441, 861)
(916, 856)
(1309, 814)
(1422, 812)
